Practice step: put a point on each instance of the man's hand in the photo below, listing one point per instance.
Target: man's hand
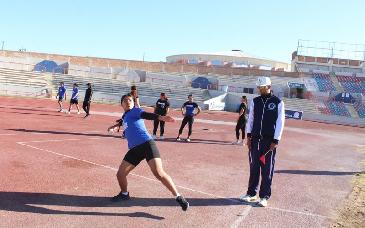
(272, 146)
(249, 143)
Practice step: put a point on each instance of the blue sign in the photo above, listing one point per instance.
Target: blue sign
(296, 85)
(292, 114)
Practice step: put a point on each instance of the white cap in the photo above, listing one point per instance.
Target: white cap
(263, 81)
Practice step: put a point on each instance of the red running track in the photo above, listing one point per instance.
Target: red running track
(58, 170)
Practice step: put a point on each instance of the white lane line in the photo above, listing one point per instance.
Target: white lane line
(179, 186)
(360, 148)
(300, 212)
(54, 140)
(241, 217)
(7, 134)
(45, 141)
(96, 131)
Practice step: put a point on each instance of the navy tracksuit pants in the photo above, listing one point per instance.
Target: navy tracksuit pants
(258, 148)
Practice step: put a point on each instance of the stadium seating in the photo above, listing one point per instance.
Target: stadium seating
(307, 106)
(22, 83)
(336, 108)
(324, 82)
(352, 84)
(119, 87)
(360, 108)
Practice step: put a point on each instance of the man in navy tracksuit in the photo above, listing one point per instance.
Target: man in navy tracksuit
(264, 129)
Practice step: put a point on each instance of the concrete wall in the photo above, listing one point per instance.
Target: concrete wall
(335, 119)
(233, 100)
(217, 103)
(33, 57)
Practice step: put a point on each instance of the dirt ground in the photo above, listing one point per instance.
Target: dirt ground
(353, 212)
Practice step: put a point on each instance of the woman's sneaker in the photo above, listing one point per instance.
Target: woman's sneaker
(120, 197)
(183, 202)
(248, 198)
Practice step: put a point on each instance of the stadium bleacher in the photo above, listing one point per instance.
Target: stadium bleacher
(324, 82)
(335, 108)
(119, 87)
(360, 108)
(352, 84)
(22, 83)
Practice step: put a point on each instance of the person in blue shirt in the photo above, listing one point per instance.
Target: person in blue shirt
(134, 94)
(61, 95)
(74, 98)
(190, 106)
(141, 146)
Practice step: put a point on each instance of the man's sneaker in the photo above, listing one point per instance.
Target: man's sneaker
(262, 202)
(154, 137)
(120, 197)
(178, 139)
(78, 113)
(183, 202)
(188, 140)
(68, 112)
(162, 137)
(248, 198)
(60, 110)
(86, 115)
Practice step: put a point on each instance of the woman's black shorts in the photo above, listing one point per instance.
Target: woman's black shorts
(147, 150)
(74, 101)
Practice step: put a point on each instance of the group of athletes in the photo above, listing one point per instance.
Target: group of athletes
(61, 96)
(264, 127)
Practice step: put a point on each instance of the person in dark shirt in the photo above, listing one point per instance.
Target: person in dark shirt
(87, 99)
(162, 108)
(190, 106)
(241, 121)
(141, 146)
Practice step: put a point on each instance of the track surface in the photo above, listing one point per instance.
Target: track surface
(58, 170)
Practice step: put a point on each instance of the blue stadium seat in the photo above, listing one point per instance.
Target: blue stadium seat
(324, 82)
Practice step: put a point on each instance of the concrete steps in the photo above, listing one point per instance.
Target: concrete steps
(352, 111)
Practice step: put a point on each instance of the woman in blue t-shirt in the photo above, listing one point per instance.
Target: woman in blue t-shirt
(141, 146)
(74, 98)
(61, 95)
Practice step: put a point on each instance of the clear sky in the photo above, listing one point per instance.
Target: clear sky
(156, 29)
